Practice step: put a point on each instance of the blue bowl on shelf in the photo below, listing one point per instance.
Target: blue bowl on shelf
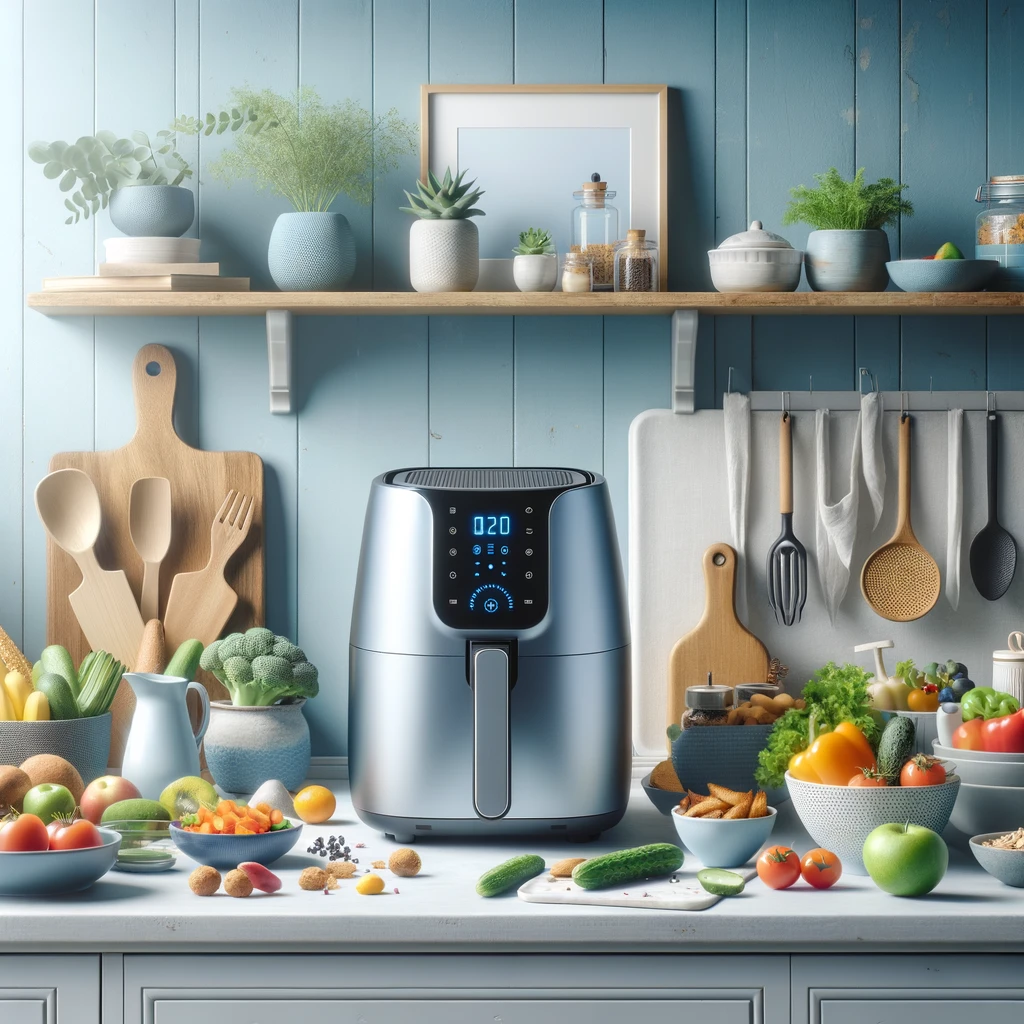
(941, 275)
(228, 851)
(663, 799)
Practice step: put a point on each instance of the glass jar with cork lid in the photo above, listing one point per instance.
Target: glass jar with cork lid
(595, 229)
(636, 263)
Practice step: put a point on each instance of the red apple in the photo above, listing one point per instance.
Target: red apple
(104, 791)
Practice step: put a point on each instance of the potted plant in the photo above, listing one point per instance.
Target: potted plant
(444, 244)
(848, 249)
(261, 732)
(310, 153)
(535, 267)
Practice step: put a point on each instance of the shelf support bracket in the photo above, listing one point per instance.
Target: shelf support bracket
(684, 359)
(279, 354)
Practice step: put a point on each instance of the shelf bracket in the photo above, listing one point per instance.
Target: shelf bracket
(684, 359)
(279, 355)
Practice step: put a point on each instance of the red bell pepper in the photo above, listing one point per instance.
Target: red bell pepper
(969, 736)
(1004, 735)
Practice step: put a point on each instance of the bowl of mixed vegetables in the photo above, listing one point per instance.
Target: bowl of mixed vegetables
(230, 834)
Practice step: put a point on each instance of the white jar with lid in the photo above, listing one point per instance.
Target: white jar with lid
(755, 260)
(1008, 667)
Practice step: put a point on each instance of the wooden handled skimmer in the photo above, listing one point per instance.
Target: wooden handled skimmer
(787, 557)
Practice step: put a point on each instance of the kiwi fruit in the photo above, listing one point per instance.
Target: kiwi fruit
(186, 795)
(14, 784)
(51, 768)
(135, 810)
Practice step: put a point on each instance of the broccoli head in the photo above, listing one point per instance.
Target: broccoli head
(259, 668)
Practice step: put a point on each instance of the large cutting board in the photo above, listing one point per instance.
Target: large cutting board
(199, 481)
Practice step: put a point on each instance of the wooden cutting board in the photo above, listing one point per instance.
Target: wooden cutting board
(199, 481)
(719, 643)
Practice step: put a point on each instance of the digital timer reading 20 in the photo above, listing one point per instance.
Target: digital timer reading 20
(491, 526)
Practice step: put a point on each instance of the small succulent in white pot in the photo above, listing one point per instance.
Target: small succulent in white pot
(535, 267)
(444, 244)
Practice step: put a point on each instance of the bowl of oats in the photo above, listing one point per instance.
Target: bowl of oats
(1001, 854)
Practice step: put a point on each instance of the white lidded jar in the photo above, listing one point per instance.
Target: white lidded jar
(1008, 667)
(755, 260)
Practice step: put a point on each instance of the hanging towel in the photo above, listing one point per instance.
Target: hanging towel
(954, 502)
(737, 463)
(873, 460)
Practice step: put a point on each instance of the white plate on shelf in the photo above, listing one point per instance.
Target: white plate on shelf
(147, 249)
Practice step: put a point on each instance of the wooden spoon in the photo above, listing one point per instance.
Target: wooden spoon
(901, 580)
(104, 605)
(149, 523)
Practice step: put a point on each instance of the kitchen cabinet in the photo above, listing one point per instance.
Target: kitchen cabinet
(50, 989)
(940, 989)
(441, 989)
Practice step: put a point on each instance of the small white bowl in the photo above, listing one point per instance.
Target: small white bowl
(718, 843)
(983, 809)
(755, 261)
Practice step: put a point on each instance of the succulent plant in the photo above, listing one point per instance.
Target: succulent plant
(444, 200)
(534, 242)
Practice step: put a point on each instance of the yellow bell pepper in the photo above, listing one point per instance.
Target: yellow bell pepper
(834, 757)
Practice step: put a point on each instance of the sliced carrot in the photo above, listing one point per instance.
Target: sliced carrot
(276, 817)
(263, 808)
(251, 827)
(259, 817)
(240, 831)
(206, 828)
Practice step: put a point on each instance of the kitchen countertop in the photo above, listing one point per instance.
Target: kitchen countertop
(439, 909)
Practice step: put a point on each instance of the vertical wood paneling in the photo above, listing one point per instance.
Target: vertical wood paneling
(559, 42)
(471, 41)
(58, 354)
(943, 161)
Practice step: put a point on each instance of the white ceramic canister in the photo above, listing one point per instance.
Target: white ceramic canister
(1008, 667)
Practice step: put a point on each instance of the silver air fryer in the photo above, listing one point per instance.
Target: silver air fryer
(489, 657)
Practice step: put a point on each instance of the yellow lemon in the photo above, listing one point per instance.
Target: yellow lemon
(314, 804)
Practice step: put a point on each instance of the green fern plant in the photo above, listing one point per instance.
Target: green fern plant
(534, 242)
(840, 205)
(448, 199)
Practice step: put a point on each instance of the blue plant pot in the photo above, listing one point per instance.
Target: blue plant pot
(164, 211)
(312, 252)
(246, 746)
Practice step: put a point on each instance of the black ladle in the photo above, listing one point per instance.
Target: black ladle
(993, 551)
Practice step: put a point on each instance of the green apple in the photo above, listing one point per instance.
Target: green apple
(904, 859)
(49, 801)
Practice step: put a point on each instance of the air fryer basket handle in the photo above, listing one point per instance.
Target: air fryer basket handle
(489, 680)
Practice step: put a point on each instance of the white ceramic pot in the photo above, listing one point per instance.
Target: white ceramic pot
(847, 261)
(755, 260)
(535, 273)
(444, 255)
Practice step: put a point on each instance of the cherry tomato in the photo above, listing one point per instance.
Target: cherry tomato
(79, 835)
(778, 867)
(24, 834)
(862, 779)
(821, 868)
(923, 700)
(922, 770)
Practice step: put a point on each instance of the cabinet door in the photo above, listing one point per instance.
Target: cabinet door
(454, 989)
(49, 989)
(892, 990)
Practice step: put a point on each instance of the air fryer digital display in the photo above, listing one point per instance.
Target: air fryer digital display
(491, 558)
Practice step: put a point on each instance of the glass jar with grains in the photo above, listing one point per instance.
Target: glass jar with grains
(595, 229)
(1000, 226)
(707, 705)
(636, 263)
(577, 273)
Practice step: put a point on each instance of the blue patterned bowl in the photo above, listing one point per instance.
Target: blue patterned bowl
(311, 252)
(51, 872)
(941, 275)
(152, 210)
(230, 851)
(85, 742)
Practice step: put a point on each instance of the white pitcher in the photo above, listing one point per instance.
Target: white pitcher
(161, 744)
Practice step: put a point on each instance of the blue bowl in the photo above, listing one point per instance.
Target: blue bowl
(941, 275)
(230, 851)
(52, 872)
(718, 843)
(663, 799)
(1006, 865)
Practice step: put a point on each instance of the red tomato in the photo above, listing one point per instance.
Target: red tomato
(821, 868)
(24, 834)
(778, 867)
(969, 736)
(861, 779)
(922, 770)
(54, 827)
(1004, 735)
(79, 835)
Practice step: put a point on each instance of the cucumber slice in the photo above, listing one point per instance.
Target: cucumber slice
(721, 883)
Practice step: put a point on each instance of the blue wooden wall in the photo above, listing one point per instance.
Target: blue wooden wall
(767, 92)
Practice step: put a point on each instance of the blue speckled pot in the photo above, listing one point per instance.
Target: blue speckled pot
(147, 211)
(311, 252)
(246, 746)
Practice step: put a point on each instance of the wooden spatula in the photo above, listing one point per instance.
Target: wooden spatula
(200, 603)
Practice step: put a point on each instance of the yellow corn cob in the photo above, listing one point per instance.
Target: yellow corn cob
(12, 656)
(37, 707)
(6, 707)
(18, 689)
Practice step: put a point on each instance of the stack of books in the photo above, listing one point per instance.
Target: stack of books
(151, 277)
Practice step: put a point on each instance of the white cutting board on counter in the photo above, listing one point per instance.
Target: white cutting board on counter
(678, 506)
(679, 892)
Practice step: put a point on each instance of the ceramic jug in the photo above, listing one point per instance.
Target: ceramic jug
(161, 744)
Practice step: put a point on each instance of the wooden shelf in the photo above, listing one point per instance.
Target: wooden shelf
(524, 304)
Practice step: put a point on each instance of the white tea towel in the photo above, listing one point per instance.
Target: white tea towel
(873, 461)
(737, 464)
(954, 503)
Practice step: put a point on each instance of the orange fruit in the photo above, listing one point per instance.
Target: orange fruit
(314, 804)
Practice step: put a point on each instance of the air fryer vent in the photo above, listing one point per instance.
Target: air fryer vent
(490, 479)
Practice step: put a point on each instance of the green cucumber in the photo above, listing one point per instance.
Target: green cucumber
(628, 865)
(895, 747)
(510, 875)
(185, 661)
(721, 883)
(56, 659)
(59, 696)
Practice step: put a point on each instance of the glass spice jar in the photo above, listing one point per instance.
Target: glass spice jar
(707, 705)
(1000, 230)
(636, 263)
(577, 273)
(595, 229)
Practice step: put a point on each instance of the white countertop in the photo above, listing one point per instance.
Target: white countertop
(439, 909)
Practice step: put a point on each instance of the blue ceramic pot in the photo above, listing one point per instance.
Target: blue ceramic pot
(847, 261)
(311, 252)
(165, 211)
(246, 746)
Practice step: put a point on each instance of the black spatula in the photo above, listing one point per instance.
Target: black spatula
(993, 551)
(787, 558)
